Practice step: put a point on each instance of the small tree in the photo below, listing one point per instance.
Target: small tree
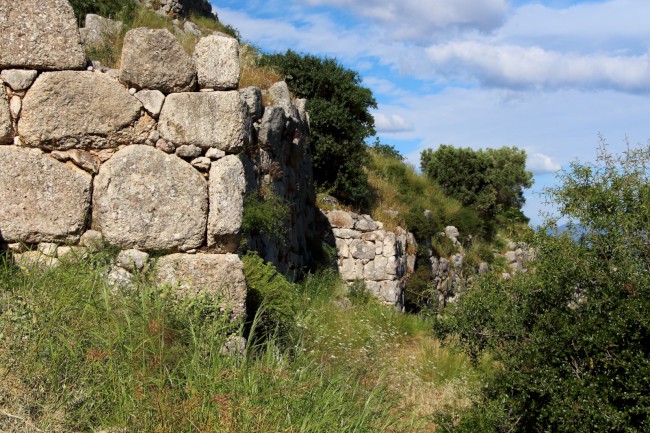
(572, 337)
(492, 181)
(340, 119)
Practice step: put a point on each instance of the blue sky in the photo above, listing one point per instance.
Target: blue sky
(546, 76)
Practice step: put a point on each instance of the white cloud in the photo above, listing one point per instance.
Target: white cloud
(512, 66)
(388, 123)
(539, 163)
(421, 20)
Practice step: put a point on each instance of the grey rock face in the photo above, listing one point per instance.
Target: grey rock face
(70, 109)
(42, 200)
(217, 62)
(152, 100)
(99, 29)
(252, 99)
(340, 219)
(271, 128)
(146, 199)
(206, 120)
(132, 260)
(40, 35)
(279, 94)
(18, 79)
(154, 59)
(218, 276)
(227, 188)
(188, 151)
(6, 130)
(93, 240)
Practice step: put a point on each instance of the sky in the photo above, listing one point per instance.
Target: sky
(547, 76)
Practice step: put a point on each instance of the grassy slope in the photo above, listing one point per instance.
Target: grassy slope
(76, 356)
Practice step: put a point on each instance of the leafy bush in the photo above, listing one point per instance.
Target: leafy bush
(340, 121)
(271, 301)
(573, 337)
(265, 213)
(491, 181)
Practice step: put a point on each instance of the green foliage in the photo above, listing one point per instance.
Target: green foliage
(115, 9)
(340, 120)
(386, 150)
(491, 181)
(573, 336)
(271, 301)
(265, 213)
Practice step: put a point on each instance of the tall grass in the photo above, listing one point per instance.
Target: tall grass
(76, 355)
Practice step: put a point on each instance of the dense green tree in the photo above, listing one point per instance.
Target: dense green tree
(572, 337)
(340, 118)
(492, 180)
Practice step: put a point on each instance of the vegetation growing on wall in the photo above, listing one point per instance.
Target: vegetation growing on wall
(340, 121)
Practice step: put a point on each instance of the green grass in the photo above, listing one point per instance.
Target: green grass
(78, 356)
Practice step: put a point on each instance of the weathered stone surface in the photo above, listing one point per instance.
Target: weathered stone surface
(227, 188)
(191, 28)
(18, 79)
(362, 249)
(351, 269)
(214, 275)
(206, 120)
(47, 248)
(201, 163)
(346, 233)
(5, 119)
(41, 199)
(120, 278)
(152, 100)
(217, 62)
(342, 247)
(154, 59)
(365, 225)
(71, 109)
(252, 99)
(40, 35)
(165, 146)
(269, 135)
(375, 270)
(188, 151)
(279, 94)
(71, 253)
(35, 260)
(15, 105)
(146, 199)
(132, 260)
(99, 29)
(214, 153)
(340, 219)
(84, 160)
(93, 240)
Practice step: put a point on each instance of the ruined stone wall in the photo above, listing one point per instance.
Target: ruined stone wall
(154, 157)
(380, 258)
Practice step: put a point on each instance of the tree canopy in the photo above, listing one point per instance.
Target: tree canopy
(492, 181)
(340, 119)
(572, 337)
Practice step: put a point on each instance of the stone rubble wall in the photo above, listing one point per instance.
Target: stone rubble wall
(154, 158)
(380, 258)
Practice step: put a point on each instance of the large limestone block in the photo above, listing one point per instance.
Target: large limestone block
(212, 119)
(362, 249)
(41, 199)
(217, 62)
(78, 109)
(154, 59)
(340, 219)
(227, 188)
(39, 34)
(146, 199)
(214, 275)
(5, 119)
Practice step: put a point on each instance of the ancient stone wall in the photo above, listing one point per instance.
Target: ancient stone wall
(380, 258)
(154, 157)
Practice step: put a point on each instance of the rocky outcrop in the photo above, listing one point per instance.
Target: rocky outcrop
(213, 275)
(154, 59)
(71, 109)
(205, 120)
(146, 199)
(177, 8)
(99, 29)
(217, 62)
(370, 254)
(227, 188)
(42, 200)
(39, 35)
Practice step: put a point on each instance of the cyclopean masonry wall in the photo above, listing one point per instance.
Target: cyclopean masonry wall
(155, 157)
(381, 259)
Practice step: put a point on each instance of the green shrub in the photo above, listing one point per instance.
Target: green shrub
(271, 302)
(573, 335)
(265, 213)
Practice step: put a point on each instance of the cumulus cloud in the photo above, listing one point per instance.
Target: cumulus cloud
(512, 66)
(421, 20)
(539, 163)
(391, 123)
